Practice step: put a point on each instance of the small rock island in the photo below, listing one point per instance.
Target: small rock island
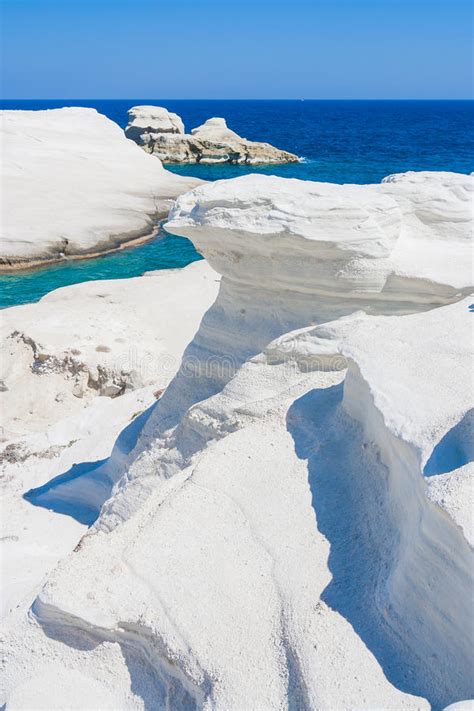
(162, 133)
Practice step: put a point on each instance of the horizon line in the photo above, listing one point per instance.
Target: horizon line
(128, 98)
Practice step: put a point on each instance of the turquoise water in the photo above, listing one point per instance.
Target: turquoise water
(163, 252)
(340, 141)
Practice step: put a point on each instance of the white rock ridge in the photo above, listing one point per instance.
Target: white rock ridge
(161, 133)
(73, 185)
(272, 540)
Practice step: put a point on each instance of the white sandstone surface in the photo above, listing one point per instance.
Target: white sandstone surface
(72, 185)
(272, 539)
(162, 134)
(436, 241)
(78, 368)
(97, 338)
(414, 228)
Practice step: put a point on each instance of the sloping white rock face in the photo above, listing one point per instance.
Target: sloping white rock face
(272, 541)
(162, 133)
(73, 185)
(422, 427)
(77, 368)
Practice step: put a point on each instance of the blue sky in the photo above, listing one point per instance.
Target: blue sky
(237, 49)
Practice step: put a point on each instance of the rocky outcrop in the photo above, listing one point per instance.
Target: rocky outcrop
(381, 248)
(278, 489)
(162, 134)
(96, 338)
(148, 120)
(74, 186)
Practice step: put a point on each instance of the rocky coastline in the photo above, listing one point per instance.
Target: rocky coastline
(246, 484)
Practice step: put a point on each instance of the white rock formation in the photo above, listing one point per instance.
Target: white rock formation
(97, 338)
(215, 129)
(273, 540)
(371, 243)
(152, 119)
(162, 133)
(73, 185)
(422, 430)
(76, 369)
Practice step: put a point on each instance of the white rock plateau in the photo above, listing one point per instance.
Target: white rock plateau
(73, 185)
(289, 525)
(161, 133)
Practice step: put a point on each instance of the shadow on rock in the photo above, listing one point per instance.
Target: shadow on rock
(455, 449)
(81, 491)
(349, 486)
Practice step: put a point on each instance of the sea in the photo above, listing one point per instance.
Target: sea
(337, 141)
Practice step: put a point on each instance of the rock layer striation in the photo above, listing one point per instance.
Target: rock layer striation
(162, 134)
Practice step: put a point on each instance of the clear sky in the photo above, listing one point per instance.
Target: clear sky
(322, 49)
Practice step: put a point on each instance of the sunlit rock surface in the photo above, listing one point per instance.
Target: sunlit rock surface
(74, 185)
(77, 369)
(273, 538)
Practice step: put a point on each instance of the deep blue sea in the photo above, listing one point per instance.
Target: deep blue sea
(339, 141)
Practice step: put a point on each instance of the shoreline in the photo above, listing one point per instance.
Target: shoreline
(33, 264)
